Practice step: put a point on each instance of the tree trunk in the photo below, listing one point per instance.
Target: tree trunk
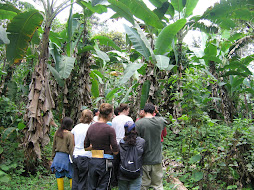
(40, 102)
(81, 96)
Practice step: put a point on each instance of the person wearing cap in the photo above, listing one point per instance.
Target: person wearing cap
(130, 139)
(119, 121)
(150, 128)
(101, 140)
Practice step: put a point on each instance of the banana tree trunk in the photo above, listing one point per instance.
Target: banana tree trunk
(82, 87)
(222, 93)
(40, 102)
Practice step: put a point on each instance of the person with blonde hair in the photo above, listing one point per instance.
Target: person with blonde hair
(81, 157)
(101, 139)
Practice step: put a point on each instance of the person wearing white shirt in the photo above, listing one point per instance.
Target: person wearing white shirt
(119, 121)
(81, 157)
(96, 113)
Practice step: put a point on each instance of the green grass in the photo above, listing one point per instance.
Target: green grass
(34, 182)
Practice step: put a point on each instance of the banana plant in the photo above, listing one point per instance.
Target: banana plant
(39, 116)
(170, 35)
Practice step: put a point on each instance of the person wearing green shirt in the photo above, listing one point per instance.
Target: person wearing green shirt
(149, 128)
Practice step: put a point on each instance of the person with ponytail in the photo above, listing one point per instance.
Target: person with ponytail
(101, 140)
(62, 150)
(130, 139)
(81, 157)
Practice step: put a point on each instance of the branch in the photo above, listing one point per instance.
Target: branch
(238, 43)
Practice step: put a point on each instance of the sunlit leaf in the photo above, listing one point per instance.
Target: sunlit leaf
(130, 70)
(137, 42)
(166, 36)
(21, 30)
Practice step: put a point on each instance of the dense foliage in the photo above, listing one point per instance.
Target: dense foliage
(205, 90)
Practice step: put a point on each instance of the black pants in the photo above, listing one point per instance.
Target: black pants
(80, 173)
(116, 162)
(98, 175)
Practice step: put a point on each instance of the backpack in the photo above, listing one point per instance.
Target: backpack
(130, 166)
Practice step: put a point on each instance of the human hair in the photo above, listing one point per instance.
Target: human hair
(123, 107)
(86, 116)
(116, 111)
(149, 108)
(105, 111)
(95, 111)
(130, 133)
(66, 124)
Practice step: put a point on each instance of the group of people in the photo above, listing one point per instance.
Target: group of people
(92, 154)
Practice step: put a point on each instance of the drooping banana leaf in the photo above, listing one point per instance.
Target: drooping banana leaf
(130, 70)
(141, 11)
(56, 75)
(94, 9)
(21, 30)
(66, 65)
(121, 10)
(137, 42)
(190, 6)
(104, 40)
(162, 62)
(102, 55)
(126, 95)
(9, 7)
(166, 36)
(178, 5)
(112, 93)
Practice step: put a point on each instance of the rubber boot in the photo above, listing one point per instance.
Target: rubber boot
(71, 183)
(60, 183)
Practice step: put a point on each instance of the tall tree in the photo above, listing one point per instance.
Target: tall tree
(39, 115)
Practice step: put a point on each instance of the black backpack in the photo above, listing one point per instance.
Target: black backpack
(130, 166)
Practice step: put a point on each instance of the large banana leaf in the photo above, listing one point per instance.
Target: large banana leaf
(125, 99)
(4, 14)
(130, 70)
(137, 42)
(122, 10)
(190, 6)
(162, 62)
(162, 10)
(102, 55)
(158, 3)
(225, 12)
(141, 11)
(112, 93)
(9, 7)
(144, 93)
(106, 41)
(21, 30)
(95, 9)
(178, 4)
(54, 52)
(56, 75)
(95, 88)
(66, 65)
(166, 36)
(3, 36)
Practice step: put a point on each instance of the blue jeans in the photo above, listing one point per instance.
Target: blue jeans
(130, 185)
